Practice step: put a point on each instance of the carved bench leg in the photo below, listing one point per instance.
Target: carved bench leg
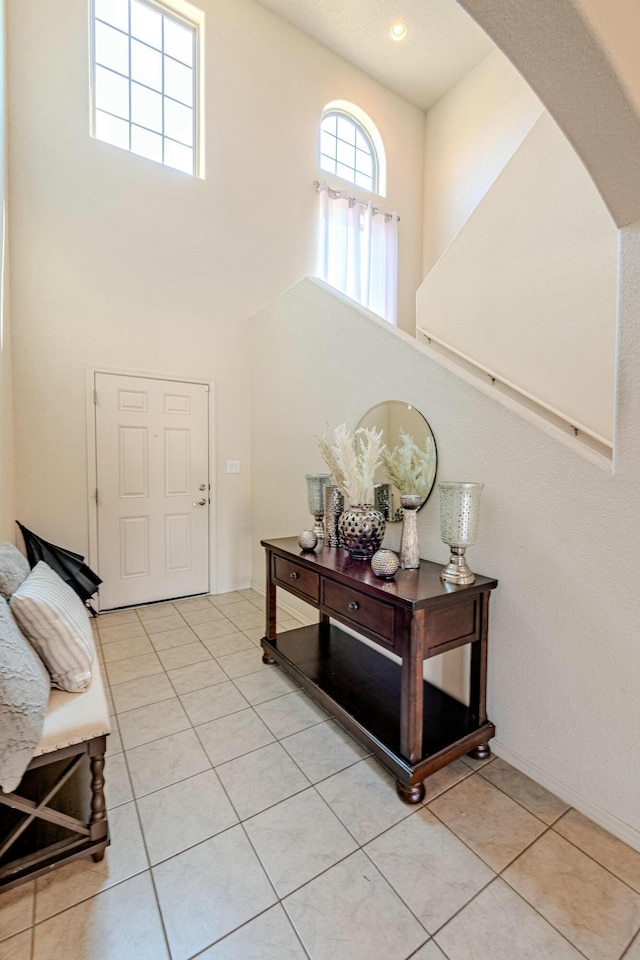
(98, 818)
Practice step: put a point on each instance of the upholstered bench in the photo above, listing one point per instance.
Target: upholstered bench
(54, 722)
(58, 812)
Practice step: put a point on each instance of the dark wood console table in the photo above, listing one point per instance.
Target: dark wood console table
(409, 725)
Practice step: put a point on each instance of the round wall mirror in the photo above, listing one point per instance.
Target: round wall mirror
(394, 417)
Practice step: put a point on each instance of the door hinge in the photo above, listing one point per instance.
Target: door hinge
(96, 495)
(95, 397)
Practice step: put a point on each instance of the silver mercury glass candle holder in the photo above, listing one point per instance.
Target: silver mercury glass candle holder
(316, 482)
(333, 507)
(459, 517)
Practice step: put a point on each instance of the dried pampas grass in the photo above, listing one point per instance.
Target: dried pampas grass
(352, 459)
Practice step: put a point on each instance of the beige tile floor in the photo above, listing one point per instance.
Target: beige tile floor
(246, 825)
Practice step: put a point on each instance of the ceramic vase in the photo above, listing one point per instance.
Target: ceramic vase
(409, 549)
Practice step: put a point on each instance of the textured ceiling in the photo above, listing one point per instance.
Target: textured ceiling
(442, 44)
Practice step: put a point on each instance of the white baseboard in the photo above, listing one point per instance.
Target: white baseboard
(623, 831)
(233, 589)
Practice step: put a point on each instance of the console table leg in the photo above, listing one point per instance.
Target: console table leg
(267, 658)
(410, 793)
(481, 752)
(411, 693)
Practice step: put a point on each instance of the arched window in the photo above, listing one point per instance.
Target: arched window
(357, 240)
(351, 147)
(346, 150)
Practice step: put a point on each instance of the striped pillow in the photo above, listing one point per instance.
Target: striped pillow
(52, 616)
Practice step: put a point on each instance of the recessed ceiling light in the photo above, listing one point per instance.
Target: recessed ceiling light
(398, 30)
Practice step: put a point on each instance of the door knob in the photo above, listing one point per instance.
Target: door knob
(202, 486)
(199, 503)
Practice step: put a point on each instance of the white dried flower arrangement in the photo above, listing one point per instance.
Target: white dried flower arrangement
(409, 468)
(352, 459)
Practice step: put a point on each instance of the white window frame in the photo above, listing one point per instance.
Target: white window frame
(185, 15)
(329, 164)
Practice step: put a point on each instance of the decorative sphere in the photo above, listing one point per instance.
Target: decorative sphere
(307, 540)
(385, 564)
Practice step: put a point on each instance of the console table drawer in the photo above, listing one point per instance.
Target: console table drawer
(360, 610)
(454, 625)
(294, 577)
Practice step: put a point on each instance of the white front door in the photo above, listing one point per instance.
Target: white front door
(152, 465)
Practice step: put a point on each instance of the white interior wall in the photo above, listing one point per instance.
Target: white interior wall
(121, 263)
(7, 479)
(580, 58)
(563, 656)
(527, 287)
(470, 134)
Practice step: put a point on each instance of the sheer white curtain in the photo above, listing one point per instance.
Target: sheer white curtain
(380, 239)
(358, 250)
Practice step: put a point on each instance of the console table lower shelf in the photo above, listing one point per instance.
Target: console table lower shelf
(361, 688)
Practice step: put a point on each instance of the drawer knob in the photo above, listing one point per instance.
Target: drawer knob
(353, 605)
(294, 575)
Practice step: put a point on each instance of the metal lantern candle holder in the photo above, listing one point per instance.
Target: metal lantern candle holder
(459, 517)
(316, 482)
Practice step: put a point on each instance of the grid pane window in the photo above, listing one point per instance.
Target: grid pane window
(327, 143)
(144, 81)
(346, 173)
(362, 180)
(146, 65)
(146, 24)
(177, 122)
(112, 48)
(175, 155)
(178, 81)
(112, 93)
(347, 151)
(146, 107)
(178, 43)
(364, 163)
(115, 12)
(146, 144)
(112, 130)
(346, 154)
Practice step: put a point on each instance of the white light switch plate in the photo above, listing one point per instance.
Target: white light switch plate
(233, 466)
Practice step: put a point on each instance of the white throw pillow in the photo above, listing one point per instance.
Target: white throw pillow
(24, 692)
(53, 617)
(14, 568)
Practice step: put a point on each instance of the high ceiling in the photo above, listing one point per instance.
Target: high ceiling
(441, 46)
